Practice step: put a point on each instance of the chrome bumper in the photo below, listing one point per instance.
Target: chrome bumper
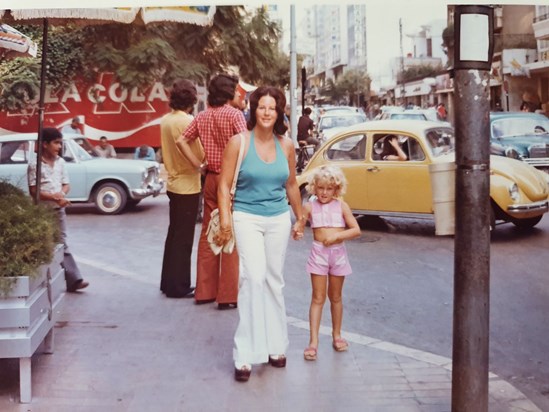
(151, 190)
(542, 206)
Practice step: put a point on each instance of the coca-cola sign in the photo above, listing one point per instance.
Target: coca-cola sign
(128, 117)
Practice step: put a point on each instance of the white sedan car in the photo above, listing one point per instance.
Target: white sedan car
(111, 184)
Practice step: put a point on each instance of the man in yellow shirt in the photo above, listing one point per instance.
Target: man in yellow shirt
(183, 190)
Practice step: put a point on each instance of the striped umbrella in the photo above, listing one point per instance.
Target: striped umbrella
(15, 43)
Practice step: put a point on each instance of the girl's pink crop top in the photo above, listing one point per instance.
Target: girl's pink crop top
(326, 214)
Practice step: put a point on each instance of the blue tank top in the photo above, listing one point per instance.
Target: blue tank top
(261, 186)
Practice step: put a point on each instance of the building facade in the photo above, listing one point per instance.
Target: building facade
(339, 33)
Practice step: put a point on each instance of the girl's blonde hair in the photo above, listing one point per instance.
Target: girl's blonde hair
(330, 175)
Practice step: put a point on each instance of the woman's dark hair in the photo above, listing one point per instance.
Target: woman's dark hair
(221, 89)
(279, 126)
(388, 149)
(183, 95)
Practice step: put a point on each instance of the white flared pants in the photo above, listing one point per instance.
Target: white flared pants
(262, 329)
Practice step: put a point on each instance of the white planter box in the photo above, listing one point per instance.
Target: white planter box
(27, 317)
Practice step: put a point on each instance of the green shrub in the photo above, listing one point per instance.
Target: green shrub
(29, 234)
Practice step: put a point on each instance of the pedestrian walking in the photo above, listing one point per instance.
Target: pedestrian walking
(216, 275)
(441, 112)
(262, 227)
(54, 186)
(332, 222)
(183, 190)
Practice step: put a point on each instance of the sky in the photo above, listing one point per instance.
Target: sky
(382, 22)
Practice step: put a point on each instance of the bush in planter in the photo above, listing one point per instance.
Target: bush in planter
(29, 234)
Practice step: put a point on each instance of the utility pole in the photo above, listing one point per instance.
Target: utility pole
(402, 82)
(293, 76)
(473, 40)
(41, 109)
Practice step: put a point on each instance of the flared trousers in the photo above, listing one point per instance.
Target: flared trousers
(262, 328)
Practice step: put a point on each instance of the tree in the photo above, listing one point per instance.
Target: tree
(419, 72)
(352, 84)
(333, 91)
(355, 82)
(141, 55)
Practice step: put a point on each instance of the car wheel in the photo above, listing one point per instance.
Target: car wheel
(110, 198)
(527, 223)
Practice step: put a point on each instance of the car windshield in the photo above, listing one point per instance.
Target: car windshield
(81, 148)
(408, 116)
(441, 141)
(329, 122)
(519, 126)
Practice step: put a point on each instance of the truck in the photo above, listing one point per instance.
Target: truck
(128, 118)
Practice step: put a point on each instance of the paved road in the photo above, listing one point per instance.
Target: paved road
(401, 290)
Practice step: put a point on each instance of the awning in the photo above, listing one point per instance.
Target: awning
(15, 41)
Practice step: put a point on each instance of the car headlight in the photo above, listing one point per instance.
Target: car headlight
(144, 174)
(514, 192)
(512, 153)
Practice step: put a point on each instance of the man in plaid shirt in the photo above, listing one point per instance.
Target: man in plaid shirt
(216, 276)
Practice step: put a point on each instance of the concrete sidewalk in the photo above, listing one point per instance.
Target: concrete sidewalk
(122, 346)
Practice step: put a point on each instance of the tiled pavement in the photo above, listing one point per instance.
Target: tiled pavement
(122, 346)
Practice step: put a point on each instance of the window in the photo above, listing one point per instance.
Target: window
(14, 153)
(409, 145)
(349, 148)
(412, 147)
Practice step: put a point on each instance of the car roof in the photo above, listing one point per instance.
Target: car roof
(347, 108)
(342, 114)
(500, 115)
(394, 126)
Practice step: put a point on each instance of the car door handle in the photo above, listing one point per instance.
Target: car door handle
(374, 169)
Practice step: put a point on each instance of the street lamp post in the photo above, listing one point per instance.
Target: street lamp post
(473, 37)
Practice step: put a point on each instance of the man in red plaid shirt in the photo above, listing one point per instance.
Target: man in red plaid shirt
(216, 276)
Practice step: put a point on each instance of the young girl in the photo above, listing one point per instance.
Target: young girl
(332, 223)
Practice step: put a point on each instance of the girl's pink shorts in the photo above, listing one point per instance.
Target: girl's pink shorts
(328, 260)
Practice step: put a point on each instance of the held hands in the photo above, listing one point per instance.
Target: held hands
(298, 229)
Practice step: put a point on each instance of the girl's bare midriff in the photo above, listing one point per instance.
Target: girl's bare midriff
(321, 234)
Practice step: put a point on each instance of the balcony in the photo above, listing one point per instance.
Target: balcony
(541, 27)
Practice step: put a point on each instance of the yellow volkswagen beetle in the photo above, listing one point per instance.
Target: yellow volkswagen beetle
(387, 167)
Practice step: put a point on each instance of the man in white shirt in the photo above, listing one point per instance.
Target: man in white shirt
(74, 127)
(105, 149)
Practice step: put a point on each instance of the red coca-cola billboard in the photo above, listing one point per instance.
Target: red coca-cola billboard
(128, 118)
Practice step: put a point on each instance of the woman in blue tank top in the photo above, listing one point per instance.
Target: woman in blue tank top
(262, 226)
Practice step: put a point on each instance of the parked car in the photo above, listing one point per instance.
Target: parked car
(111, 184)
(521, 135)
(410, 114)
(519, 193)
(339, 109)
(330, 124)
